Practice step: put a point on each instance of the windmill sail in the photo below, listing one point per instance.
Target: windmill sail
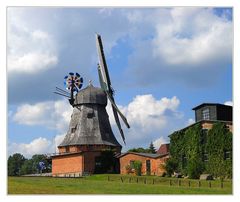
(106, 85)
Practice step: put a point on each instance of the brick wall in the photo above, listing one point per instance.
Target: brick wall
(208, 125)
(89, 161)
(67, 164)
(156, 164)
(78, 148)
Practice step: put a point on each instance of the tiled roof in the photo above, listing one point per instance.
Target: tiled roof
(143, 154)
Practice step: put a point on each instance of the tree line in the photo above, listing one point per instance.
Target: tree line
(151, 149)
(19, 165)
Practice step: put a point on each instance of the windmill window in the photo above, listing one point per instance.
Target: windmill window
(206, 114)
(90, 115)
(73, 130)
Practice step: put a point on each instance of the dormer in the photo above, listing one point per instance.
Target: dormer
(213, 112)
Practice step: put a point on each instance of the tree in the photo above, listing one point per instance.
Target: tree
(35, 163)
(171, 166)
(15, 163)
(152, 149)
(138, 150)
(27, 167)
(138, 167)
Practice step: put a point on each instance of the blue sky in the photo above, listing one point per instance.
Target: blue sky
(162, 63)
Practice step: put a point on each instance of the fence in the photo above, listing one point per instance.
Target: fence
(170, 181)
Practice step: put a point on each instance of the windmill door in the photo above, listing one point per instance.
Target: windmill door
(148, 167)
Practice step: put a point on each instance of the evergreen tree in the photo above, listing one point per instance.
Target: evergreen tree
(152, 148)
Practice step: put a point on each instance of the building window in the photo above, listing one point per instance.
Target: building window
(184, 161)
(67, 149)
(227, 155)
(206, 114)
(205, 157)
(203, 137)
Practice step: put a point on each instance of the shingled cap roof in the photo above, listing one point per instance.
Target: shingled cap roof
(89, 123)
(91, 95)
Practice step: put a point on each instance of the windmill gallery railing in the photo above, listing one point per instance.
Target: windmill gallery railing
(170, 181)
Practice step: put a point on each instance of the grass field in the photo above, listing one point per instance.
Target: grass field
(114, 184)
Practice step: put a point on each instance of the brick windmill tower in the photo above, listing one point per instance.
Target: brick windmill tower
(89, 136)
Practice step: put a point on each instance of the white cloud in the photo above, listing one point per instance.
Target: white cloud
(29, 50)
(185, 43)
(158, 142)
(49, 114)
(149, 119)
(31, 62)
(230, 103)
(190, 121)
(148, 113)
(37, 146)
(57, 141)
(192, 35)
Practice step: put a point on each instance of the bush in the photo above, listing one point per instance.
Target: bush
(128, 169)
(138, 167)
(170, 167)
(194, 169)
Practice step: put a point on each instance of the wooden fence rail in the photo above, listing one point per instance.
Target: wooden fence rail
(167, 181)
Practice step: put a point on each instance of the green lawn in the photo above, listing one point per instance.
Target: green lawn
(99, 184)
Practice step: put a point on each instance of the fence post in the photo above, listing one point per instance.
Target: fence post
(130, 180)
(189, 183)
(199, 183)
(121, 179)
(210, 185)
(221, 183)
(137, 179)
(179, 183)
(145, 180)
(108, 178)
(170, 182)
(153, 180)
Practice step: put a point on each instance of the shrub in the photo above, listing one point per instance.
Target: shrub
(170, 166)
(128, 169)
(138, 167)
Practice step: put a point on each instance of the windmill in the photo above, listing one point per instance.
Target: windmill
(105, 83)
(89, 134)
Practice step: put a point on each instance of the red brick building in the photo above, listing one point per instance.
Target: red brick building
(152, 164)
(163, 149)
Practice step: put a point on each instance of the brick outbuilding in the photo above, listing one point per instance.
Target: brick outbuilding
(152, 164)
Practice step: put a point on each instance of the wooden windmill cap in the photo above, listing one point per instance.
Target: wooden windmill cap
(91, 95)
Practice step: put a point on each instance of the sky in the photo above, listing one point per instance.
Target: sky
(162, 63)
